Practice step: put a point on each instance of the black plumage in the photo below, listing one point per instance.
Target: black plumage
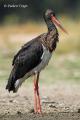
(25, 60)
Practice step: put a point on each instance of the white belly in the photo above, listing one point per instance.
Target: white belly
(45, 59)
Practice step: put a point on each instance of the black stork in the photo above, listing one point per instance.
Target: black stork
(33, 57)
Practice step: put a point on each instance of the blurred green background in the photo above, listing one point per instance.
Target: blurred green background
(18, 25)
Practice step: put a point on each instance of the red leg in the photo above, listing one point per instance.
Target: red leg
(37, 105)
(35, 97)
(38, 97)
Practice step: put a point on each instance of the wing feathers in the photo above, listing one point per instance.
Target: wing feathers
(24, 61)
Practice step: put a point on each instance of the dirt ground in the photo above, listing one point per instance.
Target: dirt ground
(60, 101)
(48, 116)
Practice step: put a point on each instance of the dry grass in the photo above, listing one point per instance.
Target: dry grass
(12, 37)
(63, 67)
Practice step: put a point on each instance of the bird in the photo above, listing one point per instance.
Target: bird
(34, 56)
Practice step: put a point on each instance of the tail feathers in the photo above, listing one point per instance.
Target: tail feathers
(11, 82)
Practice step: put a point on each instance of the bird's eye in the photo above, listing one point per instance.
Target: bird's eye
(53, 14)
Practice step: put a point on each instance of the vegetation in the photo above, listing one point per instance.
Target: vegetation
(17, 26)
(65, 63)
(36, 8)
(14, 36)
(61, 67)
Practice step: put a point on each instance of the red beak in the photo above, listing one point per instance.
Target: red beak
(54, 20)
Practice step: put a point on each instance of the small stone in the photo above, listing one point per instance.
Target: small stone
(52, 106)
(32, 111)
(19, 113)
(79, 110)
(11, 101)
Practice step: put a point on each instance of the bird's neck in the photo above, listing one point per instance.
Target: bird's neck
(51, 38)
(50, 25)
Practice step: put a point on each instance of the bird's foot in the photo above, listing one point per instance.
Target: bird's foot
(38, 111)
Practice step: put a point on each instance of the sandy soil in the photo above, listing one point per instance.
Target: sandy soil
(60, 101)
(48, 116)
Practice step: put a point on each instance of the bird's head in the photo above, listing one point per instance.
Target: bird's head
(49, 15)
